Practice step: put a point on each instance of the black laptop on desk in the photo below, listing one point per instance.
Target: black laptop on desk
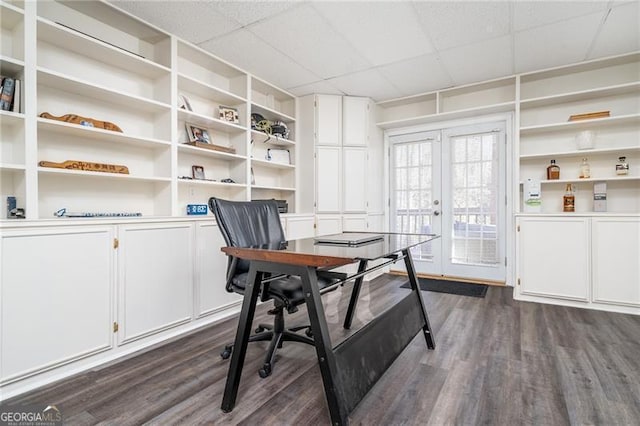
(348, 239)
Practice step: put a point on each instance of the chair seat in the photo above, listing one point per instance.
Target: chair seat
(289, 288)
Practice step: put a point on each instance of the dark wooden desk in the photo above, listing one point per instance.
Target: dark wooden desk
(351, 368)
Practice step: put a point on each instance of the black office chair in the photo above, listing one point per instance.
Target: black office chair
(257, 224)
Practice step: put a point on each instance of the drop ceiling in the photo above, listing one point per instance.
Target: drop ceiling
(391, 49)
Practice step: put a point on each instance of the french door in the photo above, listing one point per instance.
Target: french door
(451, 182)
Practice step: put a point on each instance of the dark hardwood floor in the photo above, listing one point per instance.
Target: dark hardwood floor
(497, 361)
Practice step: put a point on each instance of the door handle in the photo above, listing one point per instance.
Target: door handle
(436, 212)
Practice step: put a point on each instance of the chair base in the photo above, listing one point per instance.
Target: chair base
(276, 335)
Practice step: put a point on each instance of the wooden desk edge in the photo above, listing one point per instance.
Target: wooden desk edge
(282, 256)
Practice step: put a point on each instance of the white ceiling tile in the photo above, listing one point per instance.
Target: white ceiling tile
(418, 75)
(555, 44)
(481, 61)
(245, 50)
(620, 32)
(321, 87)
(302, 33)
(453, 24)
(199, 21)
(370, 83)
(248, 12)
(531, 14)
(383, 32)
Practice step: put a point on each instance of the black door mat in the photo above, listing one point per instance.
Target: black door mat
(452, 287)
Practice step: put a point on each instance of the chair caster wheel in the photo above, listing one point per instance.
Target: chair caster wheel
(259, 329)
(226, 353)
(308, 332)
(265, 371)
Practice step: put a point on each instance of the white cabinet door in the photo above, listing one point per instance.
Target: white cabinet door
(211, 271)
(354, 223)
(355, 121)
(555, 257)
(616, 260)
(328, 120)
(300, 227)
(328, 224)
(328, 179)
(375, 223)
(56, 303)
(355, 192)
(155, 271)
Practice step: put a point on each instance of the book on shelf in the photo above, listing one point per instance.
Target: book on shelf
(6, 97)
(10, 99)
(16, 96)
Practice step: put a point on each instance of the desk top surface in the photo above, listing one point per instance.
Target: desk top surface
(309, 252)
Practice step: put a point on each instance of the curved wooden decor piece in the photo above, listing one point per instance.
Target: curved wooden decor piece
(83, 121)
(86, 166)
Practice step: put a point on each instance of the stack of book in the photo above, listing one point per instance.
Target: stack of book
(10, 94)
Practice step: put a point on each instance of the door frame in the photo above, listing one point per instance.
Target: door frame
(510, 187)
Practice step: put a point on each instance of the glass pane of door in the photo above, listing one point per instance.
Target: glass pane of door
(475, 190)
(415, 169)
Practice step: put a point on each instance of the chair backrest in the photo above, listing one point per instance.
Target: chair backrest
(248, 224)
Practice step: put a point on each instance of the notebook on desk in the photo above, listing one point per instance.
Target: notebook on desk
(348, 239)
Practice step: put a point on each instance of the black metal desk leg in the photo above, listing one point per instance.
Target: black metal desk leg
(324, 349)
(413, 279)
(242, 339)
(355, 293)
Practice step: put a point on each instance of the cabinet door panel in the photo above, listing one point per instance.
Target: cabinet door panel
(328, 224)
(355, 180)
(300, 227)
(156, 278)
(354, 223)
(56, 300)
(328, 179)
(211, 271)
(355, 121)
(554, 257)
(329, 120)
(615, 254)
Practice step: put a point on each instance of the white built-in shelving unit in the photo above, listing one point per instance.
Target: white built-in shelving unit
(92, 60)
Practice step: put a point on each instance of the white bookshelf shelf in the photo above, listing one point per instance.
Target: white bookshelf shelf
(273, 188)
(12, 167)
(581, 152)
(211, 123)
(271, 164)
(10, 65)
(210, 153)
(614, 90)
(596, 179)
(270, 113)
(581, 124)
(100, 175)
(83, 88)
(261, 137)
(92, 133)
(205, 90)
(75, 41)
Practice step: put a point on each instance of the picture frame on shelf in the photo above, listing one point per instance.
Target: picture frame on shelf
(197, 172)
(197, 134)
(229, 114)
(183, 103)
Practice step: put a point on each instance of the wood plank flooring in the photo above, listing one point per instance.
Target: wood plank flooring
(497, 361)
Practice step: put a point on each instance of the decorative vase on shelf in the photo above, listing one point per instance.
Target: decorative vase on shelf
(586, 139)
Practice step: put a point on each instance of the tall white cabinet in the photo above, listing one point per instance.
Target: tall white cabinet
(348, 162)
